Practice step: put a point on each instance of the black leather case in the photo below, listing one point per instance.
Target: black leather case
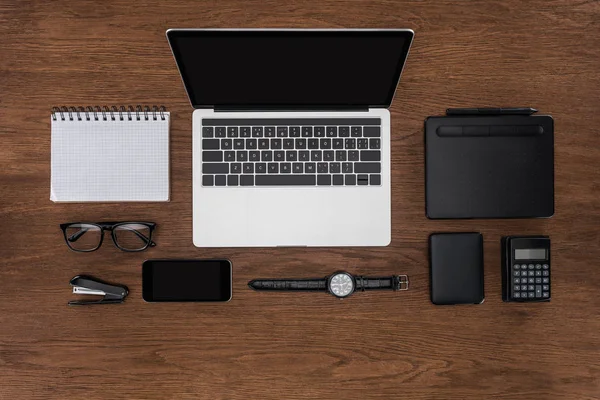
(456, 268)
(489, 166)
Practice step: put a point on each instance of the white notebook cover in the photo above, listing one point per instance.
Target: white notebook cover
(109, 161)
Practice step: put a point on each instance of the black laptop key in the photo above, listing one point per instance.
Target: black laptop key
(375, 179)
(370, 155)
(291, 155)
(350, 179)
(230, 156)
(236, 168)
(331, 131)
(210, 144)
(324, 180)
(374, 144)
(212, 156)
(298, 168)
(241, 155)
(220, 180)
(338, 143)
(367, 168)
(325, 143)
(269, 131)
(257, 131)
(322, 168)
(254, 155)
(232, 180)
(309, 167)
(344, 131)
(266, 155)
(350, 144)
(356, 131)
(220, 132)
(282, 131)
(294, 131)
(300, 143)
(263, 143)
(286, 180)
(340, 155)
(363, 179)
(319, 131)
(328, 155)
(275, 144)
(362, 144)
(316, 155)
(260, 168)
(285, 168)
(251, 144)
(347, 168)
(208, 180)
(303, 155)
(245, 131)
(238, 144)
(353, 155)
(208, 131)
(248, 168)
(307, 131)
(335, 167)
(313, 143)
(215, 168)
(226, 144)
(288, 144)
(273, 168)
(232, 131)
(338, 180)
(371, 131)
(247, 180)
(279, 155)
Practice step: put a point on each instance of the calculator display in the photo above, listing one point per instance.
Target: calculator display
(530, 254)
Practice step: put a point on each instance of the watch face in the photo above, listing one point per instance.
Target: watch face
(341, 284)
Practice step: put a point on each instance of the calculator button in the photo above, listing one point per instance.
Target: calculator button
(545, 295)
(523, 280)
(538, 266)
(538, 291)
(523, 266)
(517, 280)
(517, 295)
(531, 273)
(538, 273)
(545, 273)
(545, 266)
(516, 266)
(530, 287)
(531, 266)
(545, 288)
(538, 280)
(545, 280)
(530, 280)
(530, 295)
(516, 288)
(517, 273)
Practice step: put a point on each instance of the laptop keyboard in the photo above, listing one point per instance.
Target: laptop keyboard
(291, 152)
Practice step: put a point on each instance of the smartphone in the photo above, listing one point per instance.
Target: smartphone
(186, 280)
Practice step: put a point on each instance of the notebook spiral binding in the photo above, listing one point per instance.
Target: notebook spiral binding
(105, 113)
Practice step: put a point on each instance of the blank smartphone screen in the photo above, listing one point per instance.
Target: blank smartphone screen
(186, 280)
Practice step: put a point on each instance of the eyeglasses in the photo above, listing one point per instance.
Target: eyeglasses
(127, 236)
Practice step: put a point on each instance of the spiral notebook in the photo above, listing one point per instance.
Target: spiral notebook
(109, 154)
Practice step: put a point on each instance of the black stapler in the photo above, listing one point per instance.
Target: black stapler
(87, 285)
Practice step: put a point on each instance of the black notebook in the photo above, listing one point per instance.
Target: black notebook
(489, 166)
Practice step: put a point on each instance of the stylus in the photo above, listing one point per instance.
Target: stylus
(491, 111)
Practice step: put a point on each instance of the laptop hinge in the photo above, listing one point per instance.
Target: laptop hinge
(294, 109)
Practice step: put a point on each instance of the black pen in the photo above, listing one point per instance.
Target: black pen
(491, 111)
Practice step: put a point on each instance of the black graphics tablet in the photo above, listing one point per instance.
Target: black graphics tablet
(489, 166)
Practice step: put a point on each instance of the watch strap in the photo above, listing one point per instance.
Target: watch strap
(319, 284)
(394, 282)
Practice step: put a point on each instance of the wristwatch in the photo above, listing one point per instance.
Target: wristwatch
(341, 284)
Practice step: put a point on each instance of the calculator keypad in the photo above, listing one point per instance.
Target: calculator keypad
(530, 282)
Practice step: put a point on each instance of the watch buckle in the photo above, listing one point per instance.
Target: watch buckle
(402, 282)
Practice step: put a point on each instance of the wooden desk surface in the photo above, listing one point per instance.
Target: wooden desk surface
(544, 54)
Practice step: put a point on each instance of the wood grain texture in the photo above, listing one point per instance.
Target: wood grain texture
(274, 346)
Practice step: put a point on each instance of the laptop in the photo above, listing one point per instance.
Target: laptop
(291, 134)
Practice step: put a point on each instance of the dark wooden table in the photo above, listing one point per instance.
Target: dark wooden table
(544, 54)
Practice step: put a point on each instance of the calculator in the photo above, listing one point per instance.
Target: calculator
(526, 268)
